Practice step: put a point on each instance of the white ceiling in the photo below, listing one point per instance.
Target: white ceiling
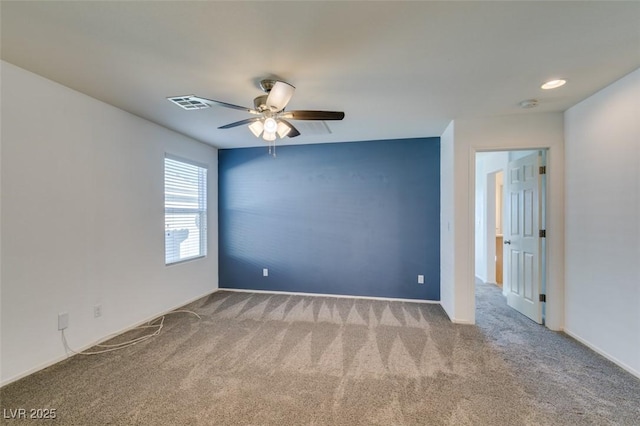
(397, 69)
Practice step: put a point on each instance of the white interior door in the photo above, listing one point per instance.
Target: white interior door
(522, 242)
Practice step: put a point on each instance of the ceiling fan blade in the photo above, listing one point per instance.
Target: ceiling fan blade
(224, 104)
(313, 115)
(280, 95)
(240, 123)
(293, 132)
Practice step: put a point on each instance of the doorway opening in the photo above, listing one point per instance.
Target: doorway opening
(510, 217)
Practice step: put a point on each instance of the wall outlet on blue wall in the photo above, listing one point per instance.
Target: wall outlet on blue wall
(265, 272)
(420, 279)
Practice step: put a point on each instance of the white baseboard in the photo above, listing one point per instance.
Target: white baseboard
(456, 320)
(342, 296)
(33, 370)
(604, 353)
(463, 322)
(96, 342)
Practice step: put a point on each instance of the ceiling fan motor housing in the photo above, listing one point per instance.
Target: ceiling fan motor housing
(260, 103)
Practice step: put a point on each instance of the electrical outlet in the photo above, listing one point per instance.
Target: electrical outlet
(97, 311)
(265, 272)
(420, 279)
(63, 320)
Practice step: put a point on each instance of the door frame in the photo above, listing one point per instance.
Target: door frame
(554, 271)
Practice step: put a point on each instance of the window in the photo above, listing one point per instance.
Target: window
(185, 210)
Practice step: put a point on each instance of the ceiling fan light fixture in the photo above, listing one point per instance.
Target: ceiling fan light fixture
(256, 128)
(283, 129)
(269, 136)
(270, 125)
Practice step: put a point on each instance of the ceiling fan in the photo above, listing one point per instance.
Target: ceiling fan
(270, 118)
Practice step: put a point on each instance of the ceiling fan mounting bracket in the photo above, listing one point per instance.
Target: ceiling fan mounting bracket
(267, 84)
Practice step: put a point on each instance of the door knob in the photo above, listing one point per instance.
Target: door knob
(507, 241)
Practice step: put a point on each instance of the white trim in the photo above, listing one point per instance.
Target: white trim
(461, 322)
(470, 273)
(100, 340)
(456, 320)
(342, 296)
(603, 353)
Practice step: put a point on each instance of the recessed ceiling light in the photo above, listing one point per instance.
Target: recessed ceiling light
(553, 84)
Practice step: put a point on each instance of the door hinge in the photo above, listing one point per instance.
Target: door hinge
(543, 170)
(543, 297)
(543, 233)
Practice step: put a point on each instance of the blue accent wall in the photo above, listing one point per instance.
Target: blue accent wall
(358, 218)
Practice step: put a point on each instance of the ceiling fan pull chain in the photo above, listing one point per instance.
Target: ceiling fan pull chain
(272, 148)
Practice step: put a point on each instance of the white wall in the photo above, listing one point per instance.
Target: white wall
(83, 221)
(602, 135)
(447, 178)
(518, 131)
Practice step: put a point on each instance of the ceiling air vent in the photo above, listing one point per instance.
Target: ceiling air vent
(187, 102)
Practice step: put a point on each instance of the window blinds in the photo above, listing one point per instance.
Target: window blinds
(185, 210)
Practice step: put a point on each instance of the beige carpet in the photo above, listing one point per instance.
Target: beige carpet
(257, 359)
